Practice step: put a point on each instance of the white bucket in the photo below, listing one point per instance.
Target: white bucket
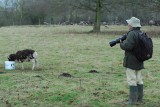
(9, 65)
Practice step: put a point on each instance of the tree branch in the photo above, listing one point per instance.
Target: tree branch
(84, 6)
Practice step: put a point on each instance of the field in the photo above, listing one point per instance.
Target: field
(70, 49)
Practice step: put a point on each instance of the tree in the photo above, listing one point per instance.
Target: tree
(94, 6)
(35, 11)
(98, 10)
(98, 7)
(20, 9)
(73, 11)
(155, 5)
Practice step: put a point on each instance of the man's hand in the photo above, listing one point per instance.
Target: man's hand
(120, 41)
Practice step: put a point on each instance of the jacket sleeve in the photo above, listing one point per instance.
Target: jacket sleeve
(129, 43)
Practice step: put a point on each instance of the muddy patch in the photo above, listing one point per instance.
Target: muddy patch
(93, 71)
(65, 75)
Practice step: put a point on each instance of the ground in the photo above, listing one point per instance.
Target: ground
(70, 49)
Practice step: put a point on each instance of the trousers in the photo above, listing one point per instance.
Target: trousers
(133, 77)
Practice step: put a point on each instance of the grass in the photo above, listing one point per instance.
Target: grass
(69, 49)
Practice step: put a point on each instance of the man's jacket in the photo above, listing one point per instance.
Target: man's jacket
(130, 60)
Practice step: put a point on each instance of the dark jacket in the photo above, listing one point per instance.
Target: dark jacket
(130, 60)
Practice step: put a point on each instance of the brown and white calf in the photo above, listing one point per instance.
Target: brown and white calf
(26, 55)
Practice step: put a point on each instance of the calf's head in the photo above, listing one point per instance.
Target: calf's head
(12, 57)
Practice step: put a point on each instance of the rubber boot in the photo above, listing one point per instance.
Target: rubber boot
(140, 93)
(133, 95)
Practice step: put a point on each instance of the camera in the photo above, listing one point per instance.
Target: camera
(114, 42)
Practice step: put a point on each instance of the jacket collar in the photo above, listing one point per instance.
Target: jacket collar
(135, 28)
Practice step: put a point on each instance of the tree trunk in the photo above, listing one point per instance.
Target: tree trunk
(97, 22)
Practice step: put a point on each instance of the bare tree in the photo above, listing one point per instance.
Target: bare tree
(94, 6)
(20, 9)
(73, 11)
(98, 10)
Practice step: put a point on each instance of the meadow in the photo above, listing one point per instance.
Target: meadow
(70, 49)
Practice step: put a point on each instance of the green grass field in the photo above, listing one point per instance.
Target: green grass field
(70, 49)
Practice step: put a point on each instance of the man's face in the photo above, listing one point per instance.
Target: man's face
(130, 27)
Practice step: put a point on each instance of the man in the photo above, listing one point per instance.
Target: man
(133, 66)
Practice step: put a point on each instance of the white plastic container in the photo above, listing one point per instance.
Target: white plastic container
(9, 65)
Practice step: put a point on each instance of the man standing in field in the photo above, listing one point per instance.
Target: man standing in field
(132, 64)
